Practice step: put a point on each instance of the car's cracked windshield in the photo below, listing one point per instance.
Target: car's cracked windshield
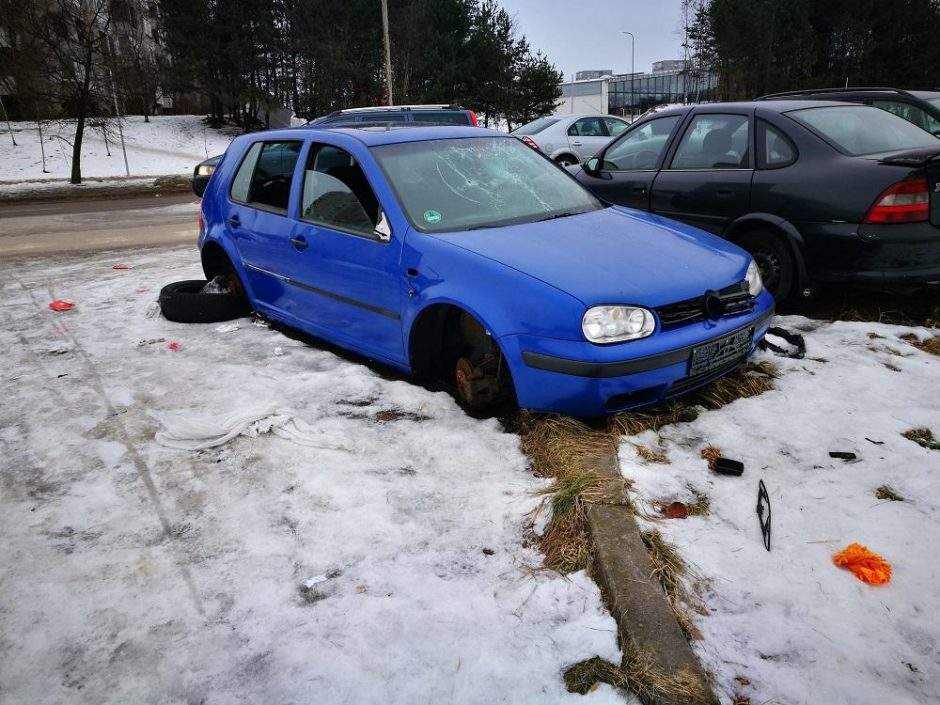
(479, 182)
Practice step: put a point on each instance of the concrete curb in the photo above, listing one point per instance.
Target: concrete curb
(92, 190)
(623, 570)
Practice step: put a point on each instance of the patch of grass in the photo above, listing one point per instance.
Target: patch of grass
(556, 444)
(874, 336)
(888, 492)
(749, 380)
(931, 345)
(893, 368)
(668, 568)
(636, 422)
(637, 674)
(922, 437)
(701, 505)
(650, 455)
(710, 454)
(565, 542)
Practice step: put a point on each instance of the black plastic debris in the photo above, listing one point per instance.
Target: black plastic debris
(798, 350)
(727, 466)
(842, 455)
(877, 443)
(763, 506)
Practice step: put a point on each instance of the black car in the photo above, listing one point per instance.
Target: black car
(816, 191)
(919, 107)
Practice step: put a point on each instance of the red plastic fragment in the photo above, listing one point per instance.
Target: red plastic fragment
(120, 266)
(60, 305)
(174, 346)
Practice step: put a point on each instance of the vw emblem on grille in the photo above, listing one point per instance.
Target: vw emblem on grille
(712, 306)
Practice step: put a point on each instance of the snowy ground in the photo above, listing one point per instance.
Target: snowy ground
(166, 145)
(797, 629)
(382, 562)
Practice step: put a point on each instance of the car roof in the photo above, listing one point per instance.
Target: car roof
(775, 106)
(372, 135)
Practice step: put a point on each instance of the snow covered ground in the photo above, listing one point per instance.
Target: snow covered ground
(376, 556)
(794, 628)
(164, 146)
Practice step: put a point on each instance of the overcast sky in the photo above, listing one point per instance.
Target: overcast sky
(586, 34)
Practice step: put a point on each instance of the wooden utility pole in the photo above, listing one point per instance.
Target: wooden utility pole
(388, 53)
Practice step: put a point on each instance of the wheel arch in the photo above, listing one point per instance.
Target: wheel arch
(428, 327)
(739, 228)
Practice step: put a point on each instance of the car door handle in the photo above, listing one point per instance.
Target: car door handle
(725, 192)
(639, 189)
(234, 221)
(577, 144)
(299, 242)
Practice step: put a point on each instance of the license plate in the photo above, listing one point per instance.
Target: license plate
(718, 353)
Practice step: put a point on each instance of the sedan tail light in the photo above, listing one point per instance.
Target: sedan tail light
(473, 118)
(905, 202)
(531, 142)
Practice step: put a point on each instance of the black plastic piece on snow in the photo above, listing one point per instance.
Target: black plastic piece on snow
(727, 466)
(763, 506)
(842, 455)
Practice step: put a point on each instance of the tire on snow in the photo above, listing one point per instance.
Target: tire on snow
(185, 302)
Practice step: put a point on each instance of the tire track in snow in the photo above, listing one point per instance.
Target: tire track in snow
(122, 436)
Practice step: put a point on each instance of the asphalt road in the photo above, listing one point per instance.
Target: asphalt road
(55, 227)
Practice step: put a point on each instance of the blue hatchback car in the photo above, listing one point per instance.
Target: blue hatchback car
(461, 254)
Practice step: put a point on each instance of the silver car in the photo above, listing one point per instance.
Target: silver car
(571, 139)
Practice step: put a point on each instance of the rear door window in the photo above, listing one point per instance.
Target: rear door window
(587, 127)
(714, 142)
(615, 126)
(264, 178)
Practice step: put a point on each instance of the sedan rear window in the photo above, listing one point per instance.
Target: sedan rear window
(535, 126)
(859, 129)
(480, 182)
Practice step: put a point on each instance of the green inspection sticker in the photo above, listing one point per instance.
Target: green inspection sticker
(432, 217)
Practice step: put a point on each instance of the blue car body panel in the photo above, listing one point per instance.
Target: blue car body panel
(528, 285)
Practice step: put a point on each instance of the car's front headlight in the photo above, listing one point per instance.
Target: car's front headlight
(614, 324)
(755, 284)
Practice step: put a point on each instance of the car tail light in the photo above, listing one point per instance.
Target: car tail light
(905, 202)
(202, 222)
(473, 118)
(531, 142)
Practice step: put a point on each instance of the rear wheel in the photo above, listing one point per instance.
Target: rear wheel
(566, 160)
(775, 261)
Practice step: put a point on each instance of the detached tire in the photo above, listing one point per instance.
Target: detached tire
(184, 302)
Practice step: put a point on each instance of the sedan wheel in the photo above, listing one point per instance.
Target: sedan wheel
(566, 160)
(775, 261)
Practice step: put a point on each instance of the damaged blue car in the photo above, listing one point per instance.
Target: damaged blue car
(460, 254)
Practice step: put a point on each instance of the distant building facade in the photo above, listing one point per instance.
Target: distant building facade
(593, 74)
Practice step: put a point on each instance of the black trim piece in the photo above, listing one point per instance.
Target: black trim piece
(602, 370)
(394, 315)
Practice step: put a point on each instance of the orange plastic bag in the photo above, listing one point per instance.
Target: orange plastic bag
(867, 565)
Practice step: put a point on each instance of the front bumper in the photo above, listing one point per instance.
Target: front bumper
(582, 379)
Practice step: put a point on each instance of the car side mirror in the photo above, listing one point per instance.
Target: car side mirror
(382, 229)
(199, 184)
(593, 165)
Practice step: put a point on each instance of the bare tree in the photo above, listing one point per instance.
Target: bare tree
(70, 37)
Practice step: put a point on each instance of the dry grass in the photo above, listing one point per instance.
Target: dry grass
(557, 445)
(636, 422)
(701, 505)
(711, 454)
(668, 567)
(749, 380)
(931, 345)
(565, 542)
(650, 455)
(888, 492)
(639, 675)
(922, 437)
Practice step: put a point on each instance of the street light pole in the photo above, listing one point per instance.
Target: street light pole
(388, 53)
(632, 70)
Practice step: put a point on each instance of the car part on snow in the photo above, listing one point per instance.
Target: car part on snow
(794, 339)
(877, 443)
(842, 455)
(188, 302)
(60, 305)
(727, 466)
(763, 504)
(866, 565)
